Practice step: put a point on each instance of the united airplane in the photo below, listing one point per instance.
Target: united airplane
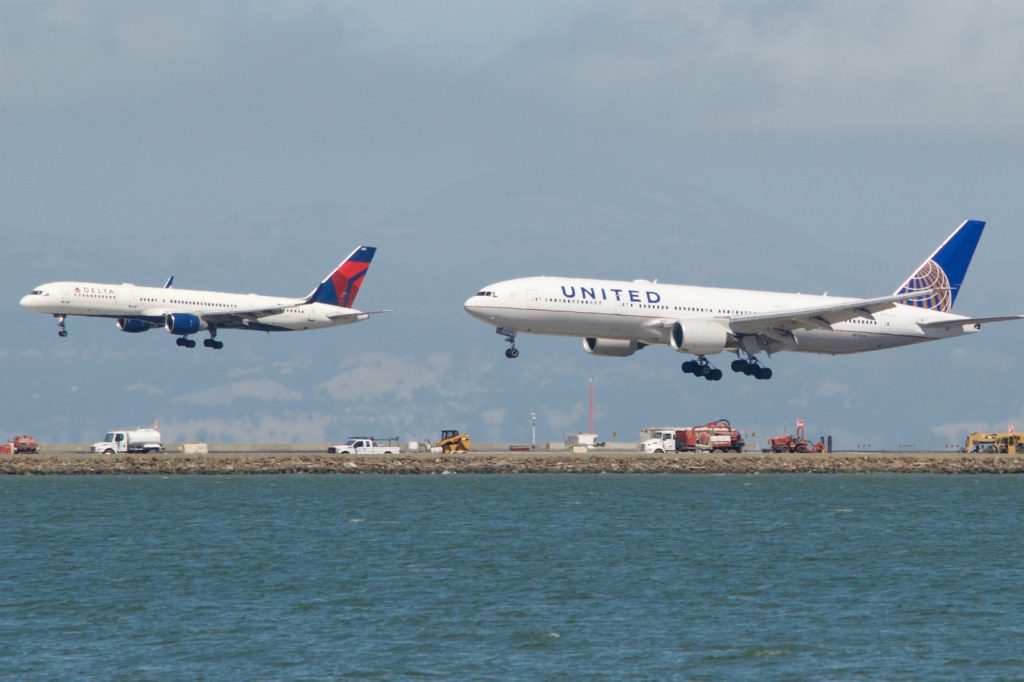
(617, 318)
(184, 312)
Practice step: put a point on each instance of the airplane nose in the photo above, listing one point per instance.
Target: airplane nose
(473, 307)
(26, 301)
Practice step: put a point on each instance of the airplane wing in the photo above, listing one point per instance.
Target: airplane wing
(960, 322)
(234, 317)
(818, 317)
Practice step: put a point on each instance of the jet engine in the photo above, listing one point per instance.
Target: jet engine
(615, 348)
(133, 326)
(699, 337)
(183, 324)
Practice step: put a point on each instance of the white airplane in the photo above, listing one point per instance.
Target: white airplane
(617, 318)
(184, 311)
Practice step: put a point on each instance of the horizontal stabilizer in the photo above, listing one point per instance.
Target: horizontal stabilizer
(362, 315)
(962, 321)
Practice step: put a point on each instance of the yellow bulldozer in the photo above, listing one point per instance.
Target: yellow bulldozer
(1009, 442)
(453, 441)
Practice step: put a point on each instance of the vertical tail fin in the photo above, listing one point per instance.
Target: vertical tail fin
(940, 276)
(341, 287)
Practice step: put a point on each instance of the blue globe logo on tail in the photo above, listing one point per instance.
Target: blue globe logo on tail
(939, 278)
(932, 282)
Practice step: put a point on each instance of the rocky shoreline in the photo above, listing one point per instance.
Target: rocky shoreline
(511, 463)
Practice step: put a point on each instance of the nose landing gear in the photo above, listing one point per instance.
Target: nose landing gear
(702, 368)
(62, 330)
(510, 338)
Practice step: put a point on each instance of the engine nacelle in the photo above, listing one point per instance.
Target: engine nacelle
(615, 348)
(698, 337)
(133, 326)
(183, 324)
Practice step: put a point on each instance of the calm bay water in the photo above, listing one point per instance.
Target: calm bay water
(512, 577)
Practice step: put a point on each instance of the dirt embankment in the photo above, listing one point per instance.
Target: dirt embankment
(511, 463)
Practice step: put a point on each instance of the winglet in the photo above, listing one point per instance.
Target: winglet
(341, 287)
(938, 279)
(169, 283)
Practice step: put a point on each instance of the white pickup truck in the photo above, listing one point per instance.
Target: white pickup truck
(367, 445)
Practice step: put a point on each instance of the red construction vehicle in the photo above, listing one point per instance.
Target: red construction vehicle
(716, 435)
(19, 445)
(797, 443)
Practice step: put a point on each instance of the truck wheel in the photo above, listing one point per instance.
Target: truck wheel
(108, 451)
(658, 451)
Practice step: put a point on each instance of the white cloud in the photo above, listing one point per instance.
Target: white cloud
(493, 417)
(374, 376)
(140, 387)
(283, 368)
(564, 421)
(956, 432)
(287, 428)
(981, 360)
(256, 389)
(834, 389)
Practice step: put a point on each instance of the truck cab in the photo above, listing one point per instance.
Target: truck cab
(659, 442)
(113, 442)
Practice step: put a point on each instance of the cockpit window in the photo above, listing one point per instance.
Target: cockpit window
(485, 293)
(37, 292)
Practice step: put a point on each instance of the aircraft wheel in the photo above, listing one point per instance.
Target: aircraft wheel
(190, 344)
(208, 343)
(180, 341)
(217, 345)
(690, 367)
(739, 365)
(765, 373)
(62, 333)
(511, 353)
(714, 375)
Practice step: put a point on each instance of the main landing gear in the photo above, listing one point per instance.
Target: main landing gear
(62, 330)
(510, 338)
(212, 342)
(702, 368)
(752, 368)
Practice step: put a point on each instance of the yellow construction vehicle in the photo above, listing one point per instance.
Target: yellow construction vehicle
(1009, 442)
(453, 441)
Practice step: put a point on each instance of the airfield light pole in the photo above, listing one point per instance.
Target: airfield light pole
(590, 420)
(533, 430)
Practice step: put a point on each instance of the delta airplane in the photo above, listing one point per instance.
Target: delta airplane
(617, 318)
(184, 312)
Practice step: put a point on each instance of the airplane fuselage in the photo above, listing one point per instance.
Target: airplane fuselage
(644, 311)
(152, 304)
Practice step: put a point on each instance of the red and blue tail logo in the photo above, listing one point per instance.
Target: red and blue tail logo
(341, 287)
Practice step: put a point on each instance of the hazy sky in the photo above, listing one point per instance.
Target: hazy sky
(249, 146)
